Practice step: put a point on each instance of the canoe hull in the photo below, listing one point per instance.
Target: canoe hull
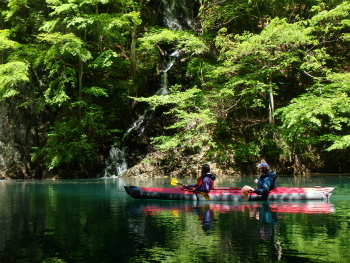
(230, 194)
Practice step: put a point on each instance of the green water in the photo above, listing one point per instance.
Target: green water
(96, 221)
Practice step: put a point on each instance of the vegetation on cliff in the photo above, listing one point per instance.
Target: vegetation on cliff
(253, 80)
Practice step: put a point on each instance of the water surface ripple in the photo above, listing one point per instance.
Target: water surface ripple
(96, 221)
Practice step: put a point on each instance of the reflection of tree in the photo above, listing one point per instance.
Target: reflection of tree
(268, 227)
(239, 232)
(320, 237)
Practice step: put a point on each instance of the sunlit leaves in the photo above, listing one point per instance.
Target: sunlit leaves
(65, 9)
(252, 62)
(82, 52)
(5, 42)
(104, 60)
(311, 118)
(185, 41)
(13, 7)
(341, 142)
(329, 22)
(56, 94)
(193, 124)
(67, 44)
(96, 91)
(177, 98)
(12, 75)
(275, 42)
(339, 82)
(57, 59)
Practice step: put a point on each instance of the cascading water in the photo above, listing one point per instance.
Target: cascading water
(174, 12)
(117, 162)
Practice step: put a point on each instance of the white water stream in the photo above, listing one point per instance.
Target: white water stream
(174, 12)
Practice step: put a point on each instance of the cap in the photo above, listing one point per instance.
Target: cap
(263, 166)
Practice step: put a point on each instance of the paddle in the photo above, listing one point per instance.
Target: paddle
(245, 191)
(205, 195)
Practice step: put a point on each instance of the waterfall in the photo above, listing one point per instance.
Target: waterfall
(164, 83)
(176, 14)
(117, 161)
(175, 18)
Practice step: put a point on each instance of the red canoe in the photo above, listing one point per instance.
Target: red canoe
(231, 194)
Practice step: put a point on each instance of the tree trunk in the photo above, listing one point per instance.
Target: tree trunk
(80, 73)
(2, 53)
(271, 101)
(133, 50)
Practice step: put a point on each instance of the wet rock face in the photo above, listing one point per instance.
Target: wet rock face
(13, 163)
(10, 155)
(18, 134)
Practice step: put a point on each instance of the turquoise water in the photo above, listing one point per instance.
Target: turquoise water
(96, 221)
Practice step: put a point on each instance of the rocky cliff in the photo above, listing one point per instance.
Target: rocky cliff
(22, 127)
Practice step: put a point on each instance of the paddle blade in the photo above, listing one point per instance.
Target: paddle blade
(174, 181)
(205, 195)
(245, 195)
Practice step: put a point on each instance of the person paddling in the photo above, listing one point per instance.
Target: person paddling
(265, 183)
(205, 182)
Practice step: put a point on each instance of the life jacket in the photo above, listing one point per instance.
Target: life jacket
(271, 175)
(200, 182)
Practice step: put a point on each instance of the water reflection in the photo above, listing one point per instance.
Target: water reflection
(265, 212)
(207, 216)
(268, 220)
(307, 207)
(96, 221)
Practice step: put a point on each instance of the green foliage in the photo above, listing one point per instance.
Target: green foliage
(96, 91)
(183, 40)
(75, 141)
(254, 64)
(250, 67)
(193, 126)
(82, 58)
(67, 144)
(5, 42)
(245, 152)
(328, 23)
(275, 49)
(12, 75)
(64, 45)
(104, 60)
(340, 143)
(253, 16)
(320, 116)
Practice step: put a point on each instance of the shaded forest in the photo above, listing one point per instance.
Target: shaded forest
(251, 80)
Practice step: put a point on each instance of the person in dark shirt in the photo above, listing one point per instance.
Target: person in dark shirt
(205, 182)
(266, 181)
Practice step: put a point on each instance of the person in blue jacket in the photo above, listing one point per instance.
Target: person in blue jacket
(266, 181)
(205, 182)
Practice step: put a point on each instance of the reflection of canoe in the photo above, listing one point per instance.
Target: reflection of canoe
(296, 207)
(231, 194)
